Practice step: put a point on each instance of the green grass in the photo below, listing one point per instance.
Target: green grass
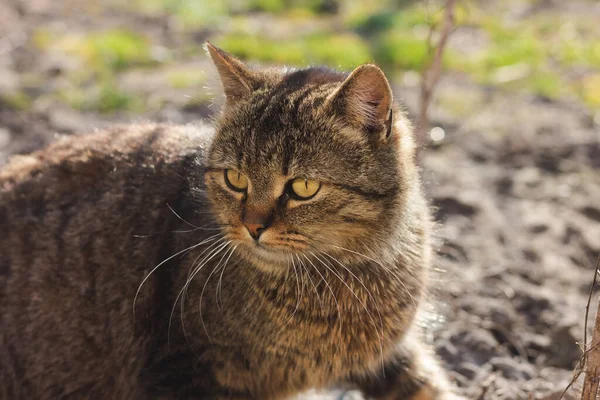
(537, 54)
(101, 56)
(201, 13)
(185, 78)
(405, 52)
(103, 52)
(546, 84)
(120, 49)
(105, 98)
(16, 101)
(590, 90)
(108, 51)
(343, 51)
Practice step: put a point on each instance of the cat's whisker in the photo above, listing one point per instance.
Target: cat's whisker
(196, 271)
(364, 305)
(312, 283)
(298, 298)
(204, 288)
(302, 280)
(187, 222)
(161, 263)
(328, 287)
(183, 292)
(186, 285)
(219, 284)
(212, 245)
(384, 267)
(334, 299)
(332, 270)
(197, 266)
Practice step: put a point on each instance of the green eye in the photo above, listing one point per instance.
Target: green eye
(236, 180)
(304, 189)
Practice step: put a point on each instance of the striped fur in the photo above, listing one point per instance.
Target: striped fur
(126, 271)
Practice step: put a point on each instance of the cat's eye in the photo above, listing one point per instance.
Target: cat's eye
(236, 180)
(304, 189)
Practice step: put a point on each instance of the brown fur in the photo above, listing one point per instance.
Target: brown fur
(90, 310)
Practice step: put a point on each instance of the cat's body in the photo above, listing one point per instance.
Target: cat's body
(223, 313)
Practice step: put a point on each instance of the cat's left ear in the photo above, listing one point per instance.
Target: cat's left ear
(238, 80)
(365, 99)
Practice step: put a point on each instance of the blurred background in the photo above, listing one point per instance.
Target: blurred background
(512, 164)
(112, 59)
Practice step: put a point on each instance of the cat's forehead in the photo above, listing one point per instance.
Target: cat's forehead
(289, 136)
(284, 129)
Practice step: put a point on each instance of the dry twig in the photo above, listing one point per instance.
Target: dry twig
(595, 346)
(432, 68)
(592, 358)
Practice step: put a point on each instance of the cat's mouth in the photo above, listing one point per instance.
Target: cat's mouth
(271, 250)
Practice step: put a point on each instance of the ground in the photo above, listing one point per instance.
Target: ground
(513, 172)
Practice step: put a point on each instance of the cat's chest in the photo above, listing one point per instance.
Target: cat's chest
(307, 334)
(327, 335)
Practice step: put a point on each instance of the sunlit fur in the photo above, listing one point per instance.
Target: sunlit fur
(127, 271)
(283, 131)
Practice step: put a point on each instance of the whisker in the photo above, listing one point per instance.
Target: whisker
(298, 298)
(185, 286)
(385, 268)
(202, 295)
(219, 284)
(161, 263)
(185, 289)
(313, 285)
(339, 314)
(180, 218)
(194, 265)
(202, 263)
(364, 305)
(328, 287)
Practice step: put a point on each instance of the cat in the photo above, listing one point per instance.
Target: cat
(286, 248)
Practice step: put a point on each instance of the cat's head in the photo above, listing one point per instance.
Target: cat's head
(308, 162)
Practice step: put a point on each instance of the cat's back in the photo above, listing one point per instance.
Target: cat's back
(82, 222)
(103, 154)
(85, 186)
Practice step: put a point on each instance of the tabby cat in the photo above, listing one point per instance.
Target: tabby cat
(286, 249)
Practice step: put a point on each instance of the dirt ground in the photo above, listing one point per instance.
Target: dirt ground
(515, 182)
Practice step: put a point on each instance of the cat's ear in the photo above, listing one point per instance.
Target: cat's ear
(365, 99)
(237, 79)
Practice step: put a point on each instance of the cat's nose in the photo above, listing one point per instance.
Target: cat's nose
(255, 230)
(256, 221)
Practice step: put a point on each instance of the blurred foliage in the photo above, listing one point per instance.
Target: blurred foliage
(17, 101)
(99, 57)
(112, 50)
(192, 13)
(540, 53)
(343, 51)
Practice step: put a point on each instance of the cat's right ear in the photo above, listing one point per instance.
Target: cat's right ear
(237, 79)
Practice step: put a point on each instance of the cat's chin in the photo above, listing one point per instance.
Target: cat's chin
(267, 258)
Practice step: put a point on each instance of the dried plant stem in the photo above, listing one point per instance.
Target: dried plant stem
(432, 69)
(583, 360)
(592, 365)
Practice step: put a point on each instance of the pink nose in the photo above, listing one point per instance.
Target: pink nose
(256, 221)
(255, 230)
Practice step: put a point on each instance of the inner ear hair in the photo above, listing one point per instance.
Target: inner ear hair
(365, 99)
(237, 79)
